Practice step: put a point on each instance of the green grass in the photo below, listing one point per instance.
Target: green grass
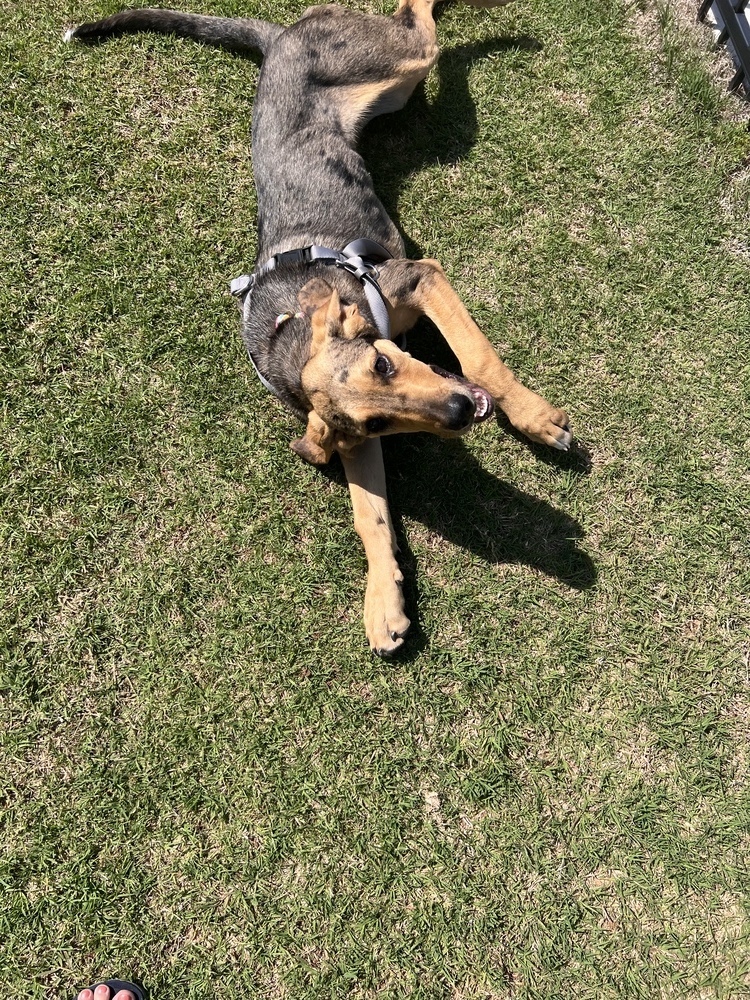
(683, 56)
(207, 780)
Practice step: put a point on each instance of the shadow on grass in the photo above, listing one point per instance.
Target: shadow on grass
(423, 133)
(469, 507)
(576, 460)
(442, 485)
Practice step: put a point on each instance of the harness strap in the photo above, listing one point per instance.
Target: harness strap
(241, 287)
(359, 257)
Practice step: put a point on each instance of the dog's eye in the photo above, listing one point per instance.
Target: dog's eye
(376, 424)
(383, 365)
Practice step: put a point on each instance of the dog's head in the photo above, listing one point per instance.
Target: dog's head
(361, 386)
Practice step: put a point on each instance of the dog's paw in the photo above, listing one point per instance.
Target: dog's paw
(385, 621)
(541, 422)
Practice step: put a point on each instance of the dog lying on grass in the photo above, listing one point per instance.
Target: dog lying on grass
(333, 290)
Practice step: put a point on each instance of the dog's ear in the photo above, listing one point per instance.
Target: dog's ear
(313, 295)
(322, 303)
(352, 322)
(324, 306)
(319, 441)
(316, 445)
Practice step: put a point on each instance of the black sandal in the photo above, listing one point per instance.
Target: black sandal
(116, 985)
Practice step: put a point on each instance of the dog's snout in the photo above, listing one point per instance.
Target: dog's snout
(459, 411)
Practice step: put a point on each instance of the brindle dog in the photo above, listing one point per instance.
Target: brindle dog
(309, 327)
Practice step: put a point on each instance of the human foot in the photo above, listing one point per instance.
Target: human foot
(111, 989)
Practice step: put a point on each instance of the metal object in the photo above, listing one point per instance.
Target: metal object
(734, 27)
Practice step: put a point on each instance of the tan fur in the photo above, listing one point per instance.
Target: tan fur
(434, 298)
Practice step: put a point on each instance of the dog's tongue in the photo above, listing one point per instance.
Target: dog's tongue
(485, 404)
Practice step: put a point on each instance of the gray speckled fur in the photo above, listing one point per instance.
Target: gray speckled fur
(313, 185)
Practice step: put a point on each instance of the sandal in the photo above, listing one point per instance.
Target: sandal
(116, 985)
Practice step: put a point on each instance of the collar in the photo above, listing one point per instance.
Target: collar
(360, 258)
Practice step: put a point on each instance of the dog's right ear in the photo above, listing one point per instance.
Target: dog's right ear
(322, 304)
(319, 441)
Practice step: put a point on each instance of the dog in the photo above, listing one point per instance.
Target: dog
(333, 290)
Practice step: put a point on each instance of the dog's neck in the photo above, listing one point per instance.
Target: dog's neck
(280, 354)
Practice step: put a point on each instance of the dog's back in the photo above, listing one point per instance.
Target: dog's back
(322, 80)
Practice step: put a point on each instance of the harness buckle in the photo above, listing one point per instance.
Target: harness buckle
(301, 256)
(242, 285)
(358, 267)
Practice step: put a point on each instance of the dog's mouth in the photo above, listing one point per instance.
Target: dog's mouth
(483, 401)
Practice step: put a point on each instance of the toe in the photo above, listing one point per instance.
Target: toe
(390, 638)
(388, 650)
(557, 431)
(124, 995)
(385, 621)
(101, 992)
(562, 440)
(542, 423)
(85, 995)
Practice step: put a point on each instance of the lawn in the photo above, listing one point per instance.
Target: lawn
(207, 779)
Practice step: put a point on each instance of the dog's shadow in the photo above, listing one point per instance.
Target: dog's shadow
(441, 485)
(443, 130)
(444, 487)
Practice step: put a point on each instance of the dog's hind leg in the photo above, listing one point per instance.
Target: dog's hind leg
(371, 63)
(385, 621)
(420, 288)
(242, 34)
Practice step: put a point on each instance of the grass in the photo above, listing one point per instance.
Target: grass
(683, 57)
(208, 782)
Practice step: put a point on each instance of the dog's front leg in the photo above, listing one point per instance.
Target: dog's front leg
(420, 288)
(385, 621)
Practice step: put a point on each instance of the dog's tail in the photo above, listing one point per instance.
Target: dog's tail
(242, 34)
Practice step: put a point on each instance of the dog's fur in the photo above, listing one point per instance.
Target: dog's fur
(321, 80)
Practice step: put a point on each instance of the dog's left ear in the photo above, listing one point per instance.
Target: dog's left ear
(319, 441)
(313, 295)
(316, 444)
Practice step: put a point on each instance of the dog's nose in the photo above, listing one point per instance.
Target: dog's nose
(459, 411)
